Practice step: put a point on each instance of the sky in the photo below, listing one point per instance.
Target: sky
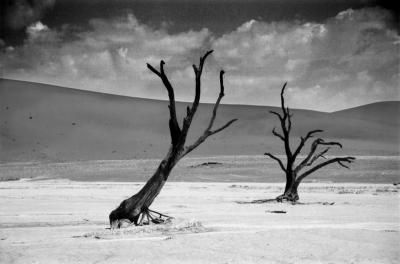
(334, 54)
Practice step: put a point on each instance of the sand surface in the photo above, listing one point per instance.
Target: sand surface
(41, 122)
(366, 169)
(62, 221)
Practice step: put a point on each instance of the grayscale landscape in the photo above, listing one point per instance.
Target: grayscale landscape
(120, 143)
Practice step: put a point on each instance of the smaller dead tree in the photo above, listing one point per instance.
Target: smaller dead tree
(296, 173)
(136, 209)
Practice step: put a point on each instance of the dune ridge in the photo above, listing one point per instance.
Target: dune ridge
(40, 122)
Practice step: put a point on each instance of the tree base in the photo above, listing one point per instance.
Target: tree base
(146, 217)
(288, 196)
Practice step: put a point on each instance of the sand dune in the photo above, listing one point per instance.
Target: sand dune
(47, 123)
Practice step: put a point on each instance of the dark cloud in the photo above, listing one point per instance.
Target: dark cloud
(16, 15)
(219, 16)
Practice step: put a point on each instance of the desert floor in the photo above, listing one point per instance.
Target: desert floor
(63, 221)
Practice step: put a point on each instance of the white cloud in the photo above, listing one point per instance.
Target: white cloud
(37, 27)
(111, 57)
(350, 59)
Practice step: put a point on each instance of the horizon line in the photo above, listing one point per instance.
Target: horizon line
(177, 101)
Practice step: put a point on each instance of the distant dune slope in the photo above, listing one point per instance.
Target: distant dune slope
(41, 122)
(382, 112)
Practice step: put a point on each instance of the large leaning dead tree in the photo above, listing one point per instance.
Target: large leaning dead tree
(135, 209)
(295, 173)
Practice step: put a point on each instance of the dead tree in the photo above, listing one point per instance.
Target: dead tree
(295, 173)
(136, 208)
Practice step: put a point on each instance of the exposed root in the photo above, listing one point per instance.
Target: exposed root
(146, 217)
(157, 220)
(288, 197)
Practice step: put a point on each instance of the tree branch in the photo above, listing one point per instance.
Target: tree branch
(277, 159)
(277, 134)
(339, 160)
(223, 127)
(216, 105)
(174, 128)
(286, 125)
(314, 146)
(207, 132)
(283, 99)
(191, 111)
(304, 140)
(289, 119)
(321, 154)
(341, 164)
(277, 114)
(198, 71)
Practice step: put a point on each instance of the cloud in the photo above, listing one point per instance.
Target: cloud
(348, 60)
(18, 14)
(35, 30)
(109, 57)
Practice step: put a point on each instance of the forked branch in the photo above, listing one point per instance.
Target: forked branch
(314, 146)
(190, 111)
(179, 136)
(304, 140)
(208, 132)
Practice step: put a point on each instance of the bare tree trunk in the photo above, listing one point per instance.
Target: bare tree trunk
(290, 192)
(290, 178)
(133, 207)
(290, 195)
(136, 208)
